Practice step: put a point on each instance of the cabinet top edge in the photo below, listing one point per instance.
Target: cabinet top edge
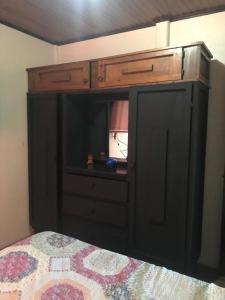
(200, 43)
(115, 90)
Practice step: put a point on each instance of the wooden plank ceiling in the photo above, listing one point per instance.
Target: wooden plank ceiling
(64, 21)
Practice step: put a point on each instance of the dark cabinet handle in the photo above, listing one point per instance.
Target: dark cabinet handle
(85, 80)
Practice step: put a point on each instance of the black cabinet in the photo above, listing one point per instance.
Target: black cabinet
(43, 160)
(166, 176)
(151, 207)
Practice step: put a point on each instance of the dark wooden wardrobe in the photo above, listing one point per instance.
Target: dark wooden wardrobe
(150, 207)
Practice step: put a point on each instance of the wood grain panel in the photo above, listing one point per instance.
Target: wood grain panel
(188, 62)
(64, 21)
(139, 68)
(196, 64)
(71, 76)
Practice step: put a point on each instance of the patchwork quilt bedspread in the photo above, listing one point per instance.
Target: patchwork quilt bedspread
(51, 266)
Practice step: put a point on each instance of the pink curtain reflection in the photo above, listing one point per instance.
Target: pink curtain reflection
(119, 116)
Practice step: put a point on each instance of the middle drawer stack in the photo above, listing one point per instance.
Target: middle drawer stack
(91, 202)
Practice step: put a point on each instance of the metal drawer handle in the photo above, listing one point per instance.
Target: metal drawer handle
(137, 70)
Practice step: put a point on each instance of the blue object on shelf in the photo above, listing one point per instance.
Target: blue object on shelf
(111, 163)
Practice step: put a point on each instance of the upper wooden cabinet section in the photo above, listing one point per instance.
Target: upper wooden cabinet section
(70, 76)
(188, 63)
(138, 68)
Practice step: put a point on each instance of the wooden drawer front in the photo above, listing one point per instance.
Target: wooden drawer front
(99, 211)
(108, 237)
(142, 68)
(65, 77)
(104, 189)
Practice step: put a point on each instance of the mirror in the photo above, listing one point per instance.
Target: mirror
(118, 130)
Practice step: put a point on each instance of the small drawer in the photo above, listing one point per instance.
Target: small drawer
(108, 237)
(60, 77)
(155, 66)
(98, 211)
(99, 188)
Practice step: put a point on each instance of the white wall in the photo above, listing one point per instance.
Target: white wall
(132, 41)
(211, 30)
(18, 51)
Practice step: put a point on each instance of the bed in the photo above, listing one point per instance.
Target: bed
(51, 266)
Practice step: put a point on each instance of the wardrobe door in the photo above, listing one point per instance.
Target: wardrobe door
(159, 163)
(43, 157)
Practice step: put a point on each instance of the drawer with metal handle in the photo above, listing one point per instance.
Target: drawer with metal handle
(99, 188)
(94, 210)
(141, 68)
(71, 76)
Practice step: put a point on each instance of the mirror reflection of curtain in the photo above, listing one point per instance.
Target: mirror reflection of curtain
(119, 116)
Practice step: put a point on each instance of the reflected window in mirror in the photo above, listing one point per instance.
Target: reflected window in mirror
(118, 131)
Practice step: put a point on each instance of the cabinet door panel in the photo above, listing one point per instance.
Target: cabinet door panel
(141, 68)
(160, 180)
(158, 139)
(72, 76)
(42, 126)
